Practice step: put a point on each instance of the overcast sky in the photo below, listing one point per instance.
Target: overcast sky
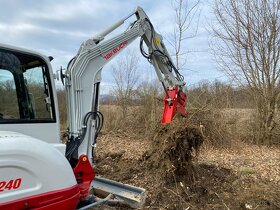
(57, 28)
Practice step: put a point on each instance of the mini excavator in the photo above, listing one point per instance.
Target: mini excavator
(37, 170)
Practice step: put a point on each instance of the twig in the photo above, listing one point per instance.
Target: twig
(222, 201)
(177, 194)
(256, 206)
(181, 199)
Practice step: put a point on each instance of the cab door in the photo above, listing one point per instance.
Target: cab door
(27, 95)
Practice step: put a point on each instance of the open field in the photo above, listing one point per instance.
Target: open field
(243, 177)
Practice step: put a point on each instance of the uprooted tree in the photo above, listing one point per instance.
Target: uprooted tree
(248, 49)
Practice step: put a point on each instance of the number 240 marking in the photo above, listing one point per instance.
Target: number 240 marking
(9, 185)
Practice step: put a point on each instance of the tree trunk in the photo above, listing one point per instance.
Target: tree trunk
(266, 115)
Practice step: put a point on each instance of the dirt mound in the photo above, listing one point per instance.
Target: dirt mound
(173, 148)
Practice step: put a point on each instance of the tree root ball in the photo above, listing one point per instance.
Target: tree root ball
(173, 150)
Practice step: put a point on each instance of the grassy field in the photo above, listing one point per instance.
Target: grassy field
(245, 177)
(229, 173)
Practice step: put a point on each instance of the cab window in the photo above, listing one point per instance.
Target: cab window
(8, 96)
(25, 93)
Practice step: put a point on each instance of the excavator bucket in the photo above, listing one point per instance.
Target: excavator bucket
(174, 101)
(122, 193)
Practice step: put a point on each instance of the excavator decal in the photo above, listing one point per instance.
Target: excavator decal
(10, 185)
(114, 51)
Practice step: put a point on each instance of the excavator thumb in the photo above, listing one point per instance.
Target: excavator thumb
(175, 100)
(120, 193)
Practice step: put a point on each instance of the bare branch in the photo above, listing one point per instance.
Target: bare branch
(185, 16)
(126, 76)
(247, 47)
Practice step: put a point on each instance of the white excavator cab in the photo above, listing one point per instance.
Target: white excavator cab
(34, 172)
(28, 99)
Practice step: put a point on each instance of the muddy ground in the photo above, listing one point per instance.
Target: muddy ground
(187, 174)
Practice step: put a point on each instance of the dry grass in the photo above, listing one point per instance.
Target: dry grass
(260, 162)
(245, 175)
(126, 145)
(138, 119)
(227, 133)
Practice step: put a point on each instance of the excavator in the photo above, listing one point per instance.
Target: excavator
(39, 171)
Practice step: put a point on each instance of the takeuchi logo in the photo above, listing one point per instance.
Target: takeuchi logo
(116, 50)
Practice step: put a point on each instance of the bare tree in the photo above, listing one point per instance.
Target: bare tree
(186, 16)
(248, 32)
(125, 73)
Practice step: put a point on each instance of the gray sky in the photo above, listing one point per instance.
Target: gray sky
(57, 28)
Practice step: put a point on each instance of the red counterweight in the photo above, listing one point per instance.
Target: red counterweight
(84, 174)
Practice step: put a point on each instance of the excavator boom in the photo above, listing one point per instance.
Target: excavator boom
(83, 77)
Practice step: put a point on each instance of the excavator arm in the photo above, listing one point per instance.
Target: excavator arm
(83, 77)
(172, 81)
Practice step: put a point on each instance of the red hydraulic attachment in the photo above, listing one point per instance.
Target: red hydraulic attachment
(174, 100)
(84, 174)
